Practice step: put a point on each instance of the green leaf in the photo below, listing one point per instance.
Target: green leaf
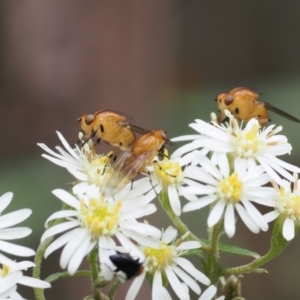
(234, 249)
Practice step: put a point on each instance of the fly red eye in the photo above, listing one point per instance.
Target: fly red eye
(89, 119)
(228, 100)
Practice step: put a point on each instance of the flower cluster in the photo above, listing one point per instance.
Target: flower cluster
(232, 168)
(10, 271)
(241, 165)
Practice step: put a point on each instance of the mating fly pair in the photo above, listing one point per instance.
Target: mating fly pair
(138, 153)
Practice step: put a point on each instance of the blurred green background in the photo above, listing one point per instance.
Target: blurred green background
(161, 63)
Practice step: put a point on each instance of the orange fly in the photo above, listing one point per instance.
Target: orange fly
(110, 127)
(245, 104)
(133, 161)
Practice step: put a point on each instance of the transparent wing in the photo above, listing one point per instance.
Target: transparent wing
(280, 112)
(122, 172)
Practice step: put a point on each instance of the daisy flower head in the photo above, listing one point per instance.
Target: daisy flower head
(7, 233)
(11, 275)
(165, 263)
(84, 163)
(93, 220)
(170, 176)
(248, 145)
(229, 191)
(287, 207)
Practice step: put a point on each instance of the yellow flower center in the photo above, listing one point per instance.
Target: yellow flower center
(158, 259)
(96, 166)
(230, 189)
(100, 217)
(248, 143)
(288, 203)
(4, 271)
(168, 172)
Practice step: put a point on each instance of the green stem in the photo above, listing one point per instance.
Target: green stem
(214, 257)
(66, 274)
(36, 273)
(164, 201)
(278, 244)
(113, 288)
(93, 260)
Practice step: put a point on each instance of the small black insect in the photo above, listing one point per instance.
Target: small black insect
(125, 263)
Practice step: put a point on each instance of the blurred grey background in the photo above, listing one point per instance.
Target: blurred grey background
(161, 63)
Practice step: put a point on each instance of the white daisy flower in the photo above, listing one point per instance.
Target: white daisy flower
(165, 262)
(248, 146)
(7, 233)
(83, 163)
(170, 176)
(11, 274)
(287, 207)
(230, 191)
(94, 220)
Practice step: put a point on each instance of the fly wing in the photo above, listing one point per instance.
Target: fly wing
(281, 112)
(138, 129)
(122, 172)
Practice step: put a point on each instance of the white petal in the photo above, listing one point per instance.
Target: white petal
(186, 137)
(209, 293)
(214, 145)
(288, 229)
(199, 174)
(210, 130)
(14, 233)
(240, 165)
(59, 228)
(145, 211)
(79, 254)
(255, 215)
(135, 286)
(141, 228)
(208, 166)
(129, 247)
(59, 242)
(202, 202)
(5, 200)
(14, 218)
(141, 239)
(34, 282)
(70, 248)
(271, 216)
(187, 279)
(174, 200)
(16, 249)
(61, 214)
(216, 213)
(169, 234)
(184, 149)
(67, 198)
(189, 245)
(198, 189)
(176, 285)
(224, 165)
(190, 269)
(80, 188)
(229, 220)
(246, 218)
(78, 174)
(66, 145)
